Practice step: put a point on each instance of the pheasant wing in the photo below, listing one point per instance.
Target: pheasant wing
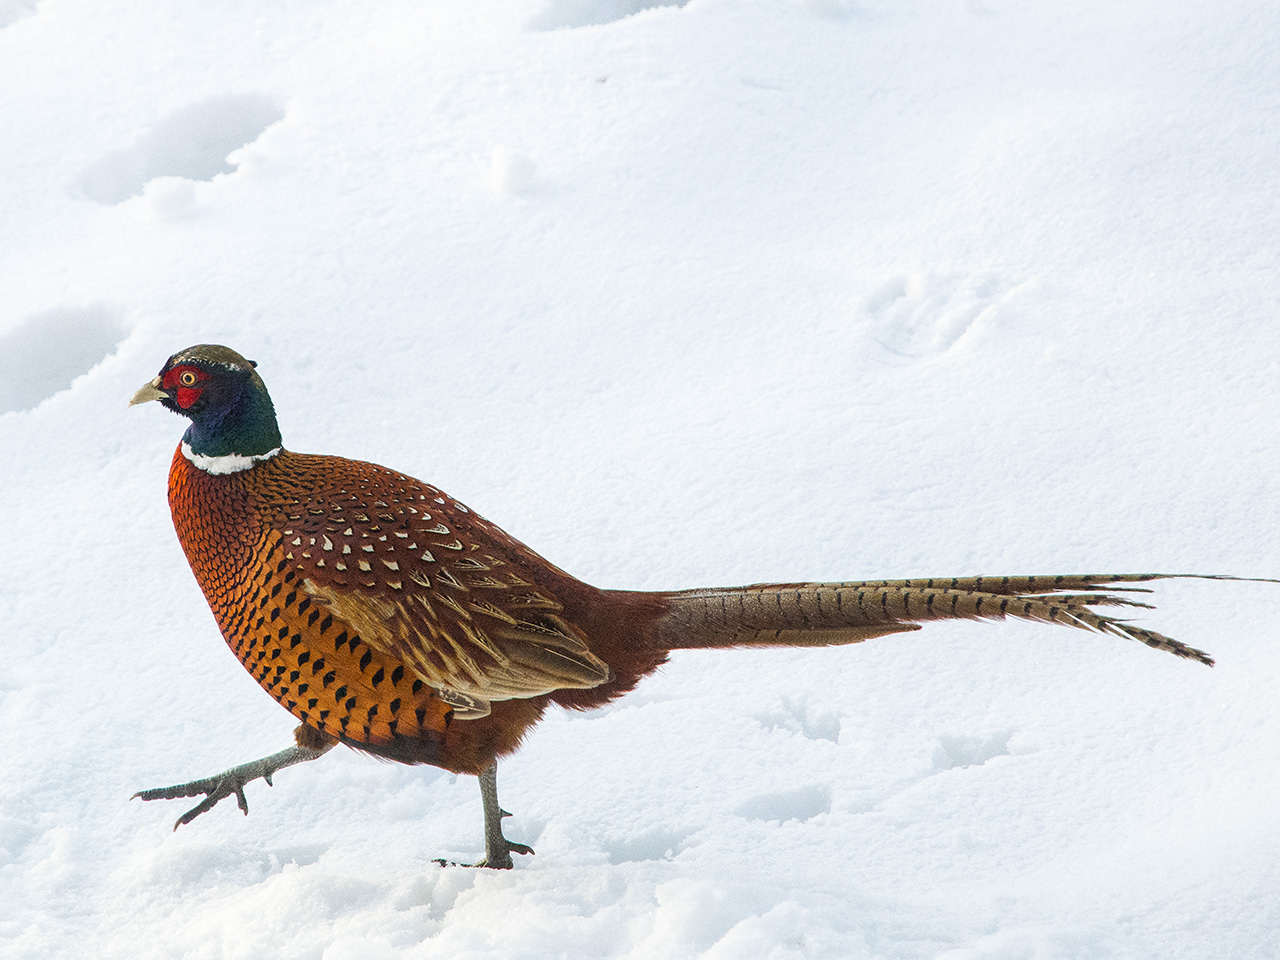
(467, 608)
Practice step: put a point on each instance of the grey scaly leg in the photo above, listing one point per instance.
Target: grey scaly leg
(497, 848)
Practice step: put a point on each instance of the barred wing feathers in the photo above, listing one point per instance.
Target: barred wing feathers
(470, 610)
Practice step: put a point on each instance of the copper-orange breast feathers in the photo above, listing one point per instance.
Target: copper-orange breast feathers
(418, 578)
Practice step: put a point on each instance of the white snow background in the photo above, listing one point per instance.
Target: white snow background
(731, 291)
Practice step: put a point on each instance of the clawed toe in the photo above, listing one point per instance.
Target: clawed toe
(496, 857)
(229, 782)
(493, 861)
(215, 789)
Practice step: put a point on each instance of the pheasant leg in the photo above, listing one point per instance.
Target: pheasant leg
(233, 781)
(497, 848)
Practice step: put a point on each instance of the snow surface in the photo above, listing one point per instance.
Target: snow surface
(681, 295)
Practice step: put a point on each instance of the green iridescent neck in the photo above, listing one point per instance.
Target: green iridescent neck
(241, 422)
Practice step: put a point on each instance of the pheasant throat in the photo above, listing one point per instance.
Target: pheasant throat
(228, 463)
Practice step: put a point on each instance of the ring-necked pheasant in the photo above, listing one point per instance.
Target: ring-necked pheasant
(389, 617)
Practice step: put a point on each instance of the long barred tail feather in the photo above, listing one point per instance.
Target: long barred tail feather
(1047, 585)
(821, 614)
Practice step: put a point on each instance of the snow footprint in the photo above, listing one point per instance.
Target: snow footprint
(947, 752)
(11, 11)
(950, 752)
(798, 715)
(15, 837)
(588, 13)
(655, 844)
(802, 803)
(925, 314)
(43, 355)
(191, 144)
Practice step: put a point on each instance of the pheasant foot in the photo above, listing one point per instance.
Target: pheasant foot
(233, 781)
(497, 848)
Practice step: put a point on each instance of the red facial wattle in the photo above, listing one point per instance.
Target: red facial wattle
(185, 380)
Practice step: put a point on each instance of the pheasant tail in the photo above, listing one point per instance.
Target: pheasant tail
(823, 614)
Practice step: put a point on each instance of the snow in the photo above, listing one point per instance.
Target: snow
(512, 172)
(680, 295)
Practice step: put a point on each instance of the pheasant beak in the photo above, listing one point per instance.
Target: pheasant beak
(150, 391)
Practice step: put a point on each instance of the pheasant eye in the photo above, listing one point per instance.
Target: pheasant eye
(188, 379)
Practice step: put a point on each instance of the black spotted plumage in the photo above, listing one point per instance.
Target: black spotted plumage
(385, 615)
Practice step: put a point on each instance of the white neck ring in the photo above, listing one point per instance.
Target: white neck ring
(231, 463)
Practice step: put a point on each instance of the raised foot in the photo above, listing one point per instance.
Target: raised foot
(229, 782)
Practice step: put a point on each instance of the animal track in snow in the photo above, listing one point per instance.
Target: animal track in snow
(15, 837)
(796, 714)
(951, 752)
(192, 143)
(43, 355)
(837, 9)
(510, 172)
(801, 803)
(656, 844)
(924, 315)
(589, 13)
(11, 11)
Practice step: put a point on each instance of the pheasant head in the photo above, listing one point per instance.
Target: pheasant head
(233, 422)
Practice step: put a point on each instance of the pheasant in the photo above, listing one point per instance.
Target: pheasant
(387, 616)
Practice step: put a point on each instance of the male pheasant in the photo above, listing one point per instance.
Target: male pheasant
(386, 616)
